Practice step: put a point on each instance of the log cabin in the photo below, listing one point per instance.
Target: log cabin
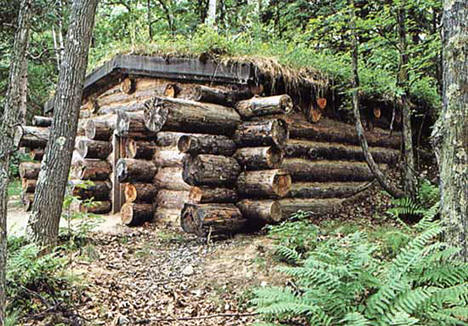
(212, 145)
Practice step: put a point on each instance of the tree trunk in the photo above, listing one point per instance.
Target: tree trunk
(140, 192)
(140, 149)
(133, 214)
(11, 117)
(409, 180)
(94, 148)
(171, 179)
(219, 96)
(262, 133)
(211, 170)
(211, 219)
(211, 17)
(131, 170)
(259, 106)
(43, 224)
(40, 121)
(259, 158)
(450, 132)
(266, 211)
(206, 144)
(32, 137)
(171, 114)
(264, 184)
(212, 195)
(374, 168)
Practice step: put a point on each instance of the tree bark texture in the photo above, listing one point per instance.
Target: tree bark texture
(266, 211)
(325, 189)
(204, 195)
(259, 158)
(91, 169)
(99, 129)
(11, 117)
(219, 96)
(140, 149)
(450, 132)
(32, 137)
(44, 219)
(94, 148)
(131, 170)
(206, 144)
(264, 184)
(211, 170)
(260, 106)
(315, 207)
(262, 133)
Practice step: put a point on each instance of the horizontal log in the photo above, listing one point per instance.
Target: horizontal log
(171, 179)
(259, 158)
(212, 195)
(305, 170)
(132, 170)
(335, 151)
(140, 149)
(94, 207)
(29, 170)
(325, 189)
(168, 157)
(211, 170)
(262, 133)
(94, 148)
(132, 106)
(206, 144)
(260, 106)
(172, 114)
(31, 137)
(100, 129)
(36, 154)
(133, 214)
(140, 192)
(339, 132)
(314, 207)
(98, 190)
(220, 96)
(167, 215)
(132, 124)
(91, 169)
(169, 138)
(40, 121)
(28, 185)
(264, 183)
(211, 219)
(266, 211)
(174, 199)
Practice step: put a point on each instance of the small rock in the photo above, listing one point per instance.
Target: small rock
(188, 270)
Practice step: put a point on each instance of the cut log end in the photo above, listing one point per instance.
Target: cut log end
(132, 214)
(184, 144)
(282, 184)
(171, 90)
(128, 86)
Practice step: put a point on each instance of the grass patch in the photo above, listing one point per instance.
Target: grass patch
(14, 188)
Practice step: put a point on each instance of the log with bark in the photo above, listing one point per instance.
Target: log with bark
(36, 154)
(91, 169)
(264, 184)
(100, 129)
(27, 200)
(31, 137)
(170, 178)
(140, 149)
(94, 148)
(206, 144)
(267, 211)
(170, 114)
(259, 158)
(325, 189)
(305, 170)
(174, 199)
(29, 170)
(132, 170)
(168, 157)
(312, 206)
(140, 192)
(334, 151)
(28, 185)
(169, 138)
(212, 195)
(132, 124)
(167, 215)
(211, 219)
(94, 207)
(40, 121)
(211, 170)
(98, 190)
(260, 106)
(133, 214)
(220, 96)
(262, 133)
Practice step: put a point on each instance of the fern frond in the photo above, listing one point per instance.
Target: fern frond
(355, 319)
(288, 254)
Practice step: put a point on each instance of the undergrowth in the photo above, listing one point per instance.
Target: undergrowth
(349, 279)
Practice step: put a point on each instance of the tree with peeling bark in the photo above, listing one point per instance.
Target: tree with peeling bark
(12, 115)
(379, 175)
(211, 18)
(450, 132)
(43, 224)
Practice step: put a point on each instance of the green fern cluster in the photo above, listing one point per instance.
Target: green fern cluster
(342, 283)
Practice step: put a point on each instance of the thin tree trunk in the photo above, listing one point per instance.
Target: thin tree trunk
(450, 132)
(11, 117)
(357, 115)
(211, 18)
(410, 182)
(44, 220)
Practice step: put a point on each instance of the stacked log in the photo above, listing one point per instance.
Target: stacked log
(29, 173)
